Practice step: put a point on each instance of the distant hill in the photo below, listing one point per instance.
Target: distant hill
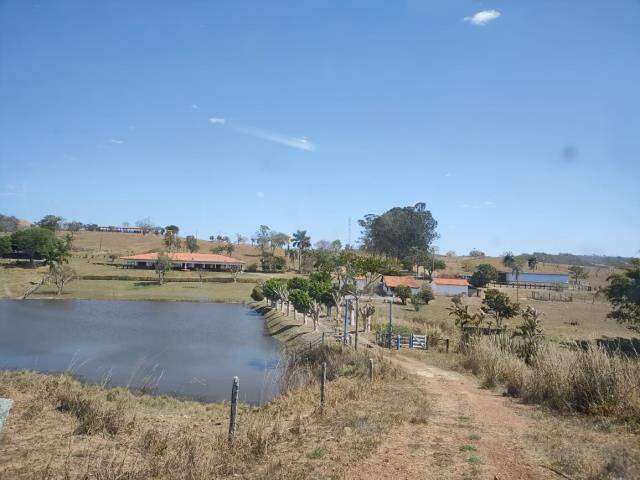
(586, 260)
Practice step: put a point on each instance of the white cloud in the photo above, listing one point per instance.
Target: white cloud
(260, 194)
(195, 107)
(12, 191)
(483, 17)
(116, 141)
(448, 174)
(301, 143)
(477, 206)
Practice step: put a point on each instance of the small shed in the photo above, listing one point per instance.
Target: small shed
(449, 287)
(390, 282)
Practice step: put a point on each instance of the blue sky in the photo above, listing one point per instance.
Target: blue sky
(517, 123)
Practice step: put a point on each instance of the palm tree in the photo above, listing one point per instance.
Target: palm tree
(301, 241)
(508, 259)
(516, 269)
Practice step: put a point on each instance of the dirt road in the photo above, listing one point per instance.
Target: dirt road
(474, 433)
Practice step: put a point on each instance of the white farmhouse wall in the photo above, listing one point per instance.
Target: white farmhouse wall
(449, 290)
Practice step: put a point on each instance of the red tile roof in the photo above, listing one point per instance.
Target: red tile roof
(392, 281)
(186, 257)
(462, 282)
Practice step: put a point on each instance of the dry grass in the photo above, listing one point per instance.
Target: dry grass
(588, 381)
(60, 428)
(580, 319)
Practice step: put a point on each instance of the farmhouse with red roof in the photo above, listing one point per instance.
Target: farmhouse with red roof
(186, 261)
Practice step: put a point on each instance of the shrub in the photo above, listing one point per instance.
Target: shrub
(252, 267)
(484, 274)
(588, 381)
(257, 294)
(403, 292)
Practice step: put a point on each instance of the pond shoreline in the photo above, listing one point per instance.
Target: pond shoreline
(184, 350)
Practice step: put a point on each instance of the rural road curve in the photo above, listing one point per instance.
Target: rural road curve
(473, 434)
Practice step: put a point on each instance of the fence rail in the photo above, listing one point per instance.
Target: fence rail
(402, 341)
(551, 297)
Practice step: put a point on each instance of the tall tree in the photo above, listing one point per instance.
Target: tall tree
(302, 242)
(578, 272)
(508, 259)
(162, 266)
(38, 242)
(52, 222)
(192, 243)
(399, 230)
(532, 261)
(8, 223)
(278, 240)
(623, 291)
(484, 274)
(262, 238)
(5, 244)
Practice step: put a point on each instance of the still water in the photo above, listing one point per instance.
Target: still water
(184, 348)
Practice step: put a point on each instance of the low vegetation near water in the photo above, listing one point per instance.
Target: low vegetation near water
(62, 429)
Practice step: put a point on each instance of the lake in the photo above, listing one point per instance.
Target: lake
(183, 348)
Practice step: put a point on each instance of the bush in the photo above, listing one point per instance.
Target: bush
(252, 267)
(403, 292)
(426, 294)
(257, 293)
(589, 381)
(484, 274)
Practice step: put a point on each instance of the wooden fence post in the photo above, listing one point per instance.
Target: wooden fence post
(346, 320)
(447, 344)
(370, 369)
(323, 379)
(323, 339)
(234, 408)
(357, 317)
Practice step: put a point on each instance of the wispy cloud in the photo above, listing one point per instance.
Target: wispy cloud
(448, 174)
(11, 191)
(483, 17)
(116, 141)
(477, 206)
(301, 143)
(195, 107)
(260, 194)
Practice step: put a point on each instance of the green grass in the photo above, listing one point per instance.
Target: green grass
(475, 459)
(316, 453)
(467, 448)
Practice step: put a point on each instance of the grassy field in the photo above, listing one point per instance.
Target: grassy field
(580, 319)
(457, 265)
(61, 429)
(92, 254)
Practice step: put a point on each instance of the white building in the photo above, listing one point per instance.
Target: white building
(449, 287)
